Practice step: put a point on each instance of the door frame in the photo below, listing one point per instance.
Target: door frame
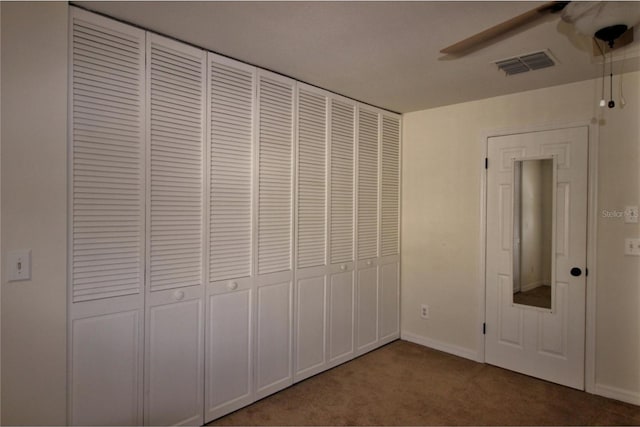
(592, 228)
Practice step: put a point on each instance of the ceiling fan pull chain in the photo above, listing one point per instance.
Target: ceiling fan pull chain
(611, 102)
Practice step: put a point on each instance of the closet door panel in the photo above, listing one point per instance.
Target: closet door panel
(175, 230)
(389, 314)
(231, 106)
(341, 316)
(311, 232)
(311, 309)
(231, 289)
(390, 229)
(341, 232)
(367, 230)
(106, 225)
(275, 179)
(274, 318)
(105, 353)
(275, 246)
(367, 320)
(342, 174)
(176, 86)
(229, 349)
(390, 187)
(312, 180)
(367, 234)
(107, 160)
(175, 360)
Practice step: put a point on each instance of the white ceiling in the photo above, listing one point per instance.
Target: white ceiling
(382, 53)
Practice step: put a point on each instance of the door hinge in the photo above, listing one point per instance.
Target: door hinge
(486, 163)
(484, 329)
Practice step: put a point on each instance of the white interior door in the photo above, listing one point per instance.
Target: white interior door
(545, 342)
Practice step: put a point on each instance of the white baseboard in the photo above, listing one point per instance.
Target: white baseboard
(616, 393)
(441, 346)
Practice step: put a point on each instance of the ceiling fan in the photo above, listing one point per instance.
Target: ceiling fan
(605, 20)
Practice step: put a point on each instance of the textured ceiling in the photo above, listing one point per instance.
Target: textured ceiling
(382, 53)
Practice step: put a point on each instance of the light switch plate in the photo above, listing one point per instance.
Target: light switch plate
(632, 247)
(19, 265)
(631, 214)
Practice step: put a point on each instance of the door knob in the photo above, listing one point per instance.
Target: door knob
(232, 286)
(575, 272)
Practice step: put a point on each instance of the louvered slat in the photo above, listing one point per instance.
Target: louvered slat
(107, 162)
(367, 184)
(275, 176)
(342, 152)
(312, 174)
(176, 148)
(390, 186)
(231, 97)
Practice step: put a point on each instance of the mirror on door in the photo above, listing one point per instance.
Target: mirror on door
(533, 247)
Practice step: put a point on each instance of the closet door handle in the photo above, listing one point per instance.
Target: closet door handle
(232, 286)
(178, 295)
(343, 267)
(576, 272)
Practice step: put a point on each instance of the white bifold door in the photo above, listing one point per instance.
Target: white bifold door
(367, 231)
(311, 233)
(378, 219)
(174, 303)
(231, 231)
(341, 281)
(230, 291)
(389, 264)
(107, 222)
(274, 260)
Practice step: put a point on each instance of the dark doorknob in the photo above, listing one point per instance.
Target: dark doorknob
(575, 272)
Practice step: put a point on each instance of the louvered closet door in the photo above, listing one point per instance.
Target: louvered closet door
(389, 270)
(230, 293)
(175, 280)
(311, 233)
(367, 230)
(275, 232)
(341, 232)
(107, 221)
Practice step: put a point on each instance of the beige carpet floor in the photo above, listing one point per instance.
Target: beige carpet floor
(407, 384)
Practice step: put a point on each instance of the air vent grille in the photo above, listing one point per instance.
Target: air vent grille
(524, 63)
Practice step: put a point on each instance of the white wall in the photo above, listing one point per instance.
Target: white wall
(441, 206)
(34, 132)
(441, 237)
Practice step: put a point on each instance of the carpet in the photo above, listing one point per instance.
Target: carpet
(407, 384)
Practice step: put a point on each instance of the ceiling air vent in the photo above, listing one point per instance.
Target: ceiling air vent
(524, 63)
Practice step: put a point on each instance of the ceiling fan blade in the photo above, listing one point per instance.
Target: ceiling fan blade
(504, 27)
